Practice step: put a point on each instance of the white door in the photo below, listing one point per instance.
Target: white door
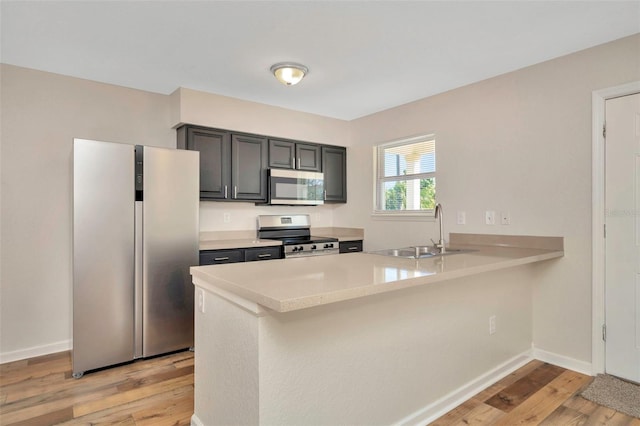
(622, 217)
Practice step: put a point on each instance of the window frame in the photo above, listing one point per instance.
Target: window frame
(379, 179)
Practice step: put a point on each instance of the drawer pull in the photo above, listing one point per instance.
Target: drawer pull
(218, 259)
(264, 255)
(353, 248)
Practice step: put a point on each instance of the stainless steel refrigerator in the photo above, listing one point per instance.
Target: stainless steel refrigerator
(135, 235)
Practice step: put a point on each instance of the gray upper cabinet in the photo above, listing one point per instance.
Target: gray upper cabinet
(233, 167)
(282, 154)
(334, 166)
(215, 159)
(285, 154)
(249, 167)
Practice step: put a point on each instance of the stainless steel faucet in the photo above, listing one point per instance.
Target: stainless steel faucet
(438, 215)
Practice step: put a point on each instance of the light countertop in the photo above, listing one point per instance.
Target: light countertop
(237, 243)
(228, 240)
(297, 283)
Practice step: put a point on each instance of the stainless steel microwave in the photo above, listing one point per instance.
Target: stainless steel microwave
(296, 187)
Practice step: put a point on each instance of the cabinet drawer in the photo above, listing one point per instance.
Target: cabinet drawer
(262, 253)
(215, 257)
(350, 246)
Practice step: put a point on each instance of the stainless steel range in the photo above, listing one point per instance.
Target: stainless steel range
(295, 233)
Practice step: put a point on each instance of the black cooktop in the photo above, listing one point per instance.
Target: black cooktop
(304, 240)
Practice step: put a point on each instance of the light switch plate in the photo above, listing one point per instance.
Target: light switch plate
(490, 217)
(462, 217)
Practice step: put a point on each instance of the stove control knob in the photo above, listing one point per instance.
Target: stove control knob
(300, 248)
(294, 249)
(313, 247)
(328, 245)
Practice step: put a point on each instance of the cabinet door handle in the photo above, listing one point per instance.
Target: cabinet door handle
(235, 191)
(225, 191)
(324, 195)
(264, 255)
(219, 259)
(354, 248)
(293, 162)
(299, 162)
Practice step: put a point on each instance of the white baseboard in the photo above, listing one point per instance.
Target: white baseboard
(562, 361)
(35, 351)
(448, 402)
(195, 421)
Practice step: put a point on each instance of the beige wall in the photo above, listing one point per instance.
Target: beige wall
(520, 142)
(206, 109)
(41, 114)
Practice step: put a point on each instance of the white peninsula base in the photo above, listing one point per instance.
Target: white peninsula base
(387, 358)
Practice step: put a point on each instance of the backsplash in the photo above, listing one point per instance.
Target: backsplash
(230, 216)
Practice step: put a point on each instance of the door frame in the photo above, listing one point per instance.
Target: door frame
(599, 98)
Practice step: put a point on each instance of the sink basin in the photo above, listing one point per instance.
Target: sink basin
(418, 252)
(403, 252)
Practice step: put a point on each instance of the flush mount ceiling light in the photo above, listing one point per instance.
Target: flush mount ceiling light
(289, 73)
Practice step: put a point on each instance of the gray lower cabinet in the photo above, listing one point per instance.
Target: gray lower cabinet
(216, 257)
(262, 253)
(233, 167)
(334, 167)
(350, 246)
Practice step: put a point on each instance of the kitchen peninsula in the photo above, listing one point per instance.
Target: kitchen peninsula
(362, 338)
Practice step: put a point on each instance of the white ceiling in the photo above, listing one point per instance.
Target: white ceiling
(363, 56)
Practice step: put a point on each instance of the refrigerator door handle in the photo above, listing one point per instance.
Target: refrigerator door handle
(137, 336)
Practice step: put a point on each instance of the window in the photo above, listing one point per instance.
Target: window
(406, 175)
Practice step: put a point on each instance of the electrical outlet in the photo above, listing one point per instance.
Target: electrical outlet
(490, 217)
(462, 217)
(201, 300)
(492, 324)
(505, 218)
(226, 217)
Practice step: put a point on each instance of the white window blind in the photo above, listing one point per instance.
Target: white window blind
(406, 175)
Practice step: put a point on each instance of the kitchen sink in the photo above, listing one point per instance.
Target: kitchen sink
(418, 252)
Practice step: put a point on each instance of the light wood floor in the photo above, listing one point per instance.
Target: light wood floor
(159, 391)
(41, 391)
(536, 394)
